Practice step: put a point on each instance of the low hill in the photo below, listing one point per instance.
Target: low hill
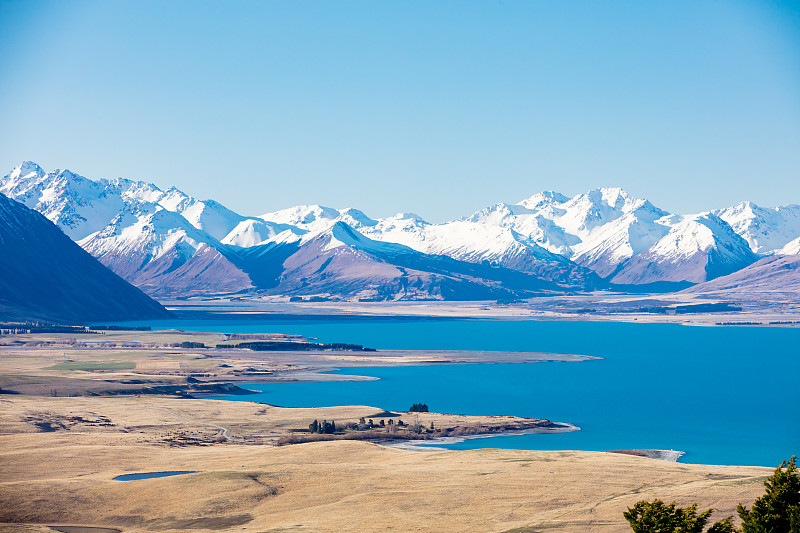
(779, 274)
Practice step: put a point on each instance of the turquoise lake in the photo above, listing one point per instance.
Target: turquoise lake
(724, 395)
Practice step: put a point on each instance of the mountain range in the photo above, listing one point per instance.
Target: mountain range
(170, 244)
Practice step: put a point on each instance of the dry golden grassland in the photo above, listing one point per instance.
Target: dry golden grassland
(59, 455)
(66, 476)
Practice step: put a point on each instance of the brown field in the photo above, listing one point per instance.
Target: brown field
(66, 476)
(59, 455)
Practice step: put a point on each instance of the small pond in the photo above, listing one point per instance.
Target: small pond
(148, 475)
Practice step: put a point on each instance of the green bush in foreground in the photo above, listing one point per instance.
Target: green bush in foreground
(656, 517)
(778, 511)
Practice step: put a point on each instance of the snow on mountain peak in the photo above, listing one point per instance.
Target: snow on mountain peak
(303, 216)
(407, 216)
(255, 232)
(148, 236)
(355, 218)
(26, 168)
(612, 197)
(397, 228)
(542, 199)
(791, 248)
(341, 234)
(499, 214)
(765, 229)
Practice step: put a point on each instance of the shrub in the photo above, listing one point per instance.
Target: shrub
(777, 511)
(779, 508)
(656, 517)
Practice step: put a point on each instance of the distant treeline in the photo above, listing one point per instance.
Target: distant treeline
(706, 308)
(720, 307)
(10, 328)
(17, 329)
(260, 336)
(121, 328)
(281, 346)
(189, 345)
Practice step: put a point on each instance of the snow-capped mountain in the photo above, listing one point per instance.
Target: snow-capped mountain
(170, 243)
(475, 241)
(162, 253)
(791, 248)
(78, 206)
(697, 248)
(165, 242)
(254, 232)
(341, 261)
(598, 230)
(765, 229)
(209, 216)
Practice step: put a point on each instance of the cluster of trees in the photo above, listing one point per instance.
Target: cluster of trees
(419, 408)
(362, 423)
(777, 511)
(12, 328)
(323, 427)
(191, 345)
(294, 346)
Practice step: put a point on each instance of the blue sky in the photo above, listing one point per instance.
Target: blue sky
(440, 108)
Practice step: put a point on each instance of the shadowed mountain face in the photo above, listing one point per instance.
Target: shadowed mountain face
(44, 275)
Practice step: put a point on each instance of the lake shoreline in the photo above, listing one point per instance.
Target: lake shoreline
(636, 378)
(430, 445)
(602, 306)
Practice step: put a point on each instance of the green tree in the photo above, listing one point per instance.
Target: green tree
(723, 526)
(778, 510)
(656, 517)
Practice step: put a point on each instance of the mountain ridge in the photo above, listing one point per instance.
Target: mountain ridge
(605, 236)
